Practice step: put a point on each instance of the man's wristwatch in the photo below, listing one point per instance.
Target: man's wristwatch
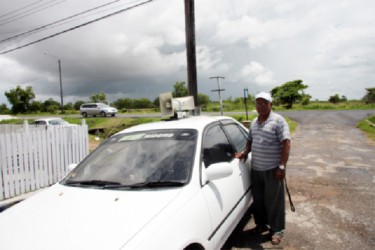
(282, 167)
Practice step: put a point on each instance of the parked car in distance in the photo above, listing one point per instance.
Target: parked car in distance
(163, 185)
(50, 121)
(94, 109)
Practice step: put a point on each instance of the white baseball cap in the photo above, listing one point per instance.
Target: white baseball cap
(264, 95)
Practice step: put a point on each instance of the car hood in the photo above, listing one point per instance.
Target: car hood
(64, 217)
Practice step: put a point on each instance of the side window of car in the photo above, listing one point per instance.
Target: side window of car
(237, 136)
(216, 147)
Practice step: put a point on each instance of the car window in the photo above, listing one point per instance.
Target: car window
(237, 136)
(216, 147)
(39, 123)
(150, 156)
(58, 122)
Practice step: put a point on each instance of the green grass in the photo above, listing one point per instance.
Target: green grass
(108, 126)
(367, 125)
(324, 105)
(292, 124)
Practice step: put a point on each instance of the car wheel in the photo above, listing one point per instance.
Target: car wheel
(103, 114)
(84, 114)
(194, 246)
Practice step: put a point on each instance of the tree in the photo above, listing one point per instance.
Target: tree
(305, 100)
(370, 96)
(78, 104)
(20, 99)
(36, 107)
(69, 106)
(336, 98)
(156, 102)
(203, 100)
(289, 93)
(99, 97)
(51, 106)
(179, 90)
(142, 103)
(123, 103)
(4, 109)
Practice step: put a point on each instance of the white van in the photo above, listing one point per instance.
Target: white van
(95, 109)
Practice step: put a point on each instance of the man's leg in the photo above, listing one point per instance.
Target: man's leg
(275, 203)
(258, 206)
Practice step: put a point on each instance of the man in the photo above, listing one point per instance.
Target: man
(269, 142)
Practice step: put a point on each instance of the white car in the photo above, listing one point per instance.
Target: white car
(164, 185)
(95, 109)
(50, 121)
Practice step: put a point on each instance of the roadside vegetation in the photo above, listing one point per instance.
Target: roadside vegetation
(367, 125)
(288, 96)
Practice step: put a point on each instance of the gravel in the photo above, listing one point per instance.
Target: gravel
(331, 177)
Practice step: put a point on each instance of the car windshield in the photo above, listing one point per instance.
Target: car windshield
(133, 160)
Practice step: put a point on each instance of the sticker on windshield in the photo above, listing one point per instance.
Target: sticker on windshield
(159, 135)
(132, 137)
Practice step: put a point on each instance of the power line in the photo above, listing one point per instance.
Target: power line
(30, 12)
(14, 11)
(59, 21)
(76, 27)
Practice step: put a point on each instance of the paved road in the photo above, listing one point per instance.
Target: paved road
(331, 176)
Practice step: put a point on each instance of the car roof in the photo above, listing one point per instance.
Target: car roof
(93, 103)
(48, 119)
(193, 122)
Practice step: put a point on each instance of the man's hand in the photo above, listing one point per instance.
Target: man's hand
(241, 156)
(280, 174)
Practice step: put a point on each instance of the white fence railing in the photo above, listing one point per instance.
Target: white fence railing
(33, 157)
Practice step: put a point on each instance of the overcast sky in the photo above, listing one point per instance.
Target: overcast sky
(254, 44)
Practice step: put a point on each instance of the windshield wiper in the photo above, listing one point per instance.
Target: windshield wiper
(99, 183)
(146, 184)
(118, 185)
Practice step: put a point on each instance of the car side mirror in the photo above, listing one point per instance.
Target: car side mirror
(218, 170)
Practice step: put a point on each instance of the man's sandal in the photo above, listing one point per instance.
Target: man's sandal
(276, 239)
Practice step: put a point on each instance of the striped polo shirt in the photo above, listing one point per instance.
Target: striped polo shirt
(267, 140)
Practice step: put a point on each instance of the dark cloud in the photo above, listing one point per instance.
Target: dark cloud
(254, 44)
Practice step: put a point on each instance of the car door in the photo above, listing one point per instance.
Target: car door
(223, 196)
(238, 137)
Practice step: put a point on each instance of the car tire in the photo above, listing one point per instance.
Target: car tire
(194, 246)
(103, 114)
(84, 114)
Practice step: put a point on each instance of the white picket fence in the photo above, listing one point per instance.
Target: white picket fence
(33, 157)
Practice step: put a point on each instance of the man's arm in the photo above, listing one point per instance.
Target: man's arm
(285, 153)
(280, 173)
(243, 155)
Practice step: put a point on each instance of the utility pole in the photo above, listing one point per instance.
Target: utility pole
(190, 52)
(219, 90)
(61, 88)
(245, 96)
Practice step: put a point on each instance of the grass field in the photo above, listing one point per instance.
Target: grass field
(101, 128)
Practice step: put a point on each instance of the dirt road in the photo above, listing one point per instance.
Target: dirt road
(331, 177)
